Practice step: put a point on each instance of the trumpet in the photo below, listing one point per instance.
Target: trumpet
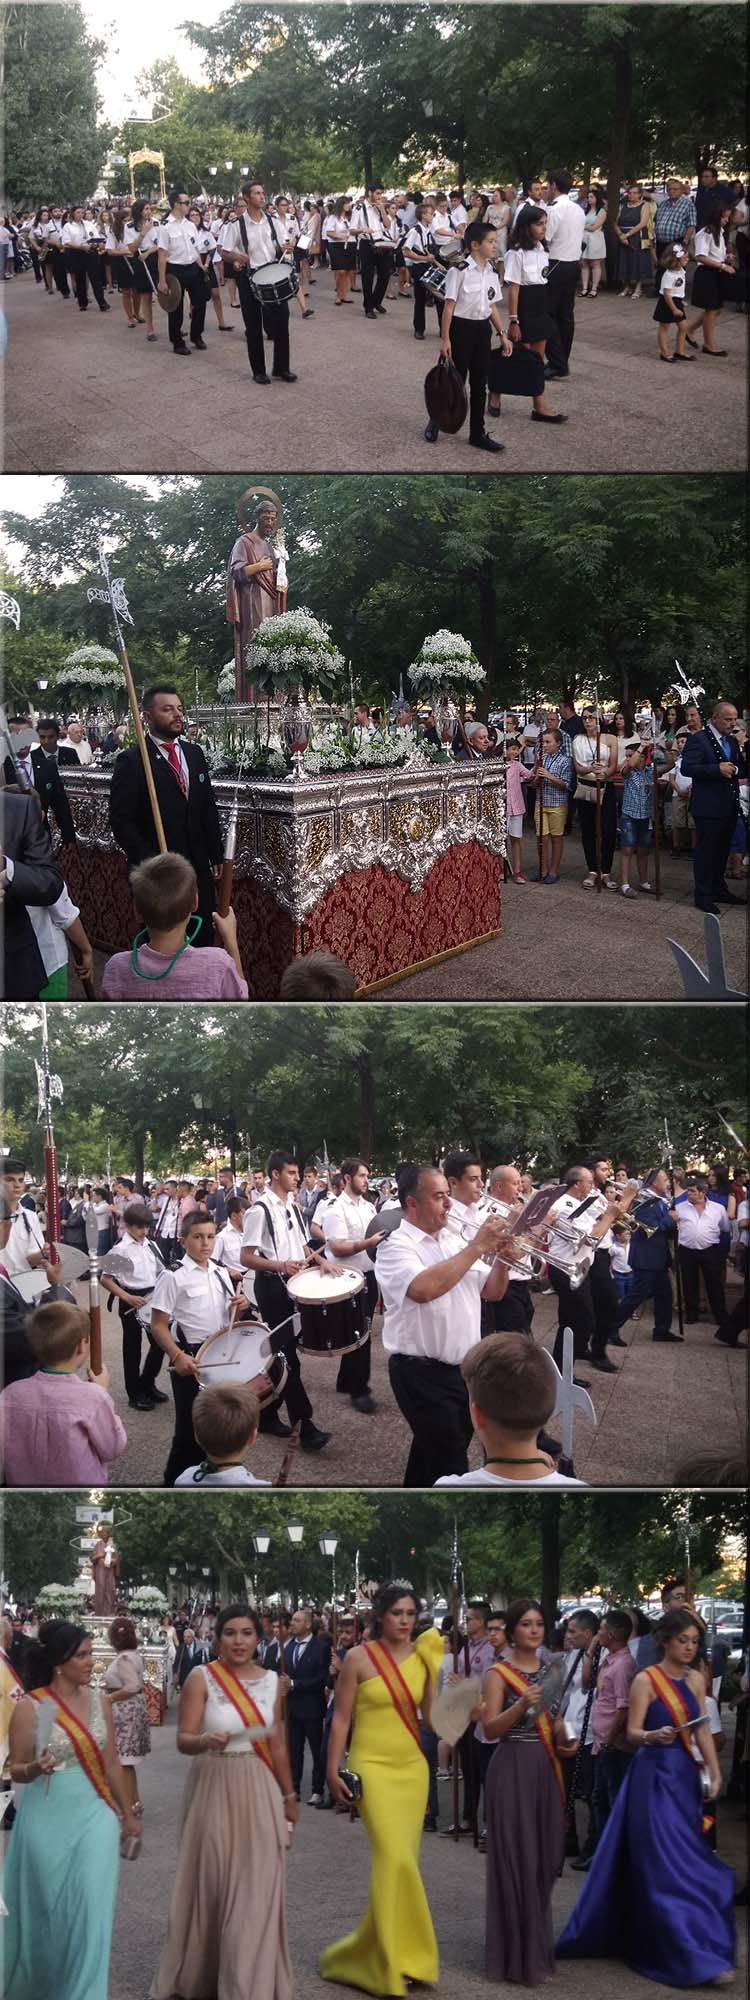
(575, 1267)
(644, 1193)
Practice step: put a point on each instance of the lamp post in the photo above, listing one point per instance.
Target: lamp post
(261, 1546)
(328, 1545)
(296, 1532)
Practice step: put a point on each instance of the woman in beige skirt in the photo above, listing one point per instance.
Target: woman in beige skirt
(227, 1923)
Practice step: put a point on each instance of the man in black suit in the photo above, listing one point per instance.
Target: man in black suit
(191, 1652)
(186, 801)
(216, 1202)
(28, 874)
(273, 1655)
(307, 1661)
(18, 1357)
(715, 761)
(39, 772)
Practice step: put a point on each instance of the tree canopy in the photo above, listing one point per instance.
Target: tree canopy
(54, 141)
(515, 1083)
(555, 580)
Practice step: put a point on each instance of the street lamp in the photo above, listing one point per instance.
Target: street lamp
(228, 164)
(296, 1532)
(261, 1546)
(328, 1545)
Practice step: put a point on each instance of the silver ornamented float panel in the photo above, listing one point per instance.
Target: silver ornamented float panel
(297, 837)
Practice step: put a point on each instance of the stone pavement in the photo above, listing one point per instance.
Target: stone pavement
(83, 397)
(664, 1403)
(327, 1880)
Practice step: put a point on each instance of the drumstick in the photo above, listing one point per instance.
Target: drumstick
(283, 1472)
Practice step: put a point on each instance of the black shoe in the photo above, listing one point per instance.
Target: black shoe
(432, 433)
(708, 909)
(723, 896)
(275, 1428)
(603, 1363)
(486, 443)
(283, 375)
(324, 1805)
(675, 1338)
(726, 1339)
(579, 1383)
(140, 1403)
(313, 1440)
(419, 336)
(155, 1395)
(364, 1403)
(262, 378)
(547, 416)
(580, 1865)
(382, 312)
(556, 374)
(429, 1825)
(181, 348)
(616, 1340)
(550, 1444)
(198, 343)
(369, 315)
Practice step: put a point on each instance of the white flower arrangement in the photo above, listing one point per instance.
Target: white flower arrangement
(446, 659)
(226, 684)
(330, 753)
(61, 1597)
(148, 1598)
(93, 667)
(294, 647)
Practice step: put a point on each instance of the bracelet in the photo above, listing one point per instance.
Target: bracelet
(513, 320)
(287, 1797)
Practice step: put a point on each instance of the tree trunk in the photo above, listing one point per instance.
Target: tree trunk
(487, 642)
(623, 67)
(139, 1164)
(367, 159)
(551, 1560)
(460, 155)
(367, 1106)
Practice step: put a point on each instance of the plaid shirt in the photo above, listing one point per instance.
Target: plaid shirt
(638, 793)
(673, 218)
(562, 767)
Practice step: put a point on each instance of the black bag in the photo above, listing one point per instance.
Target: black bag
(518, 374)
(445, 396)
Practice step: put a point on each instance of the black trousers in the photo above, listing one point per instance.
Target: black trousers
(353, 1378)
(587, 815)
(95, 275)
(183, 1450)
(275, 1305)
(605, 1302)
(584, 1791)
(273, 321)
(137, 1383)
(376, 267)
(471, 342)
(574, 1309)
(560, 298)
(193, 282)
(654, 1285)
(423, 298)
(433, 1397)
(711, 1264)
(299, 1732)
(60, 272)
(470, 1772)
(710, 856)
(515, 1312)
(76, 263)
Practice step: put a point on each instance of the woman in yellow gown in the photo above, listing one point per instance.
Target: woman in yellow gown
(385, 1685)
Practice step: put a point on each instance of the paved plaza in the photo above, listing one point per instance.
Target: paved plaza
(83, 397)
(327, 1880)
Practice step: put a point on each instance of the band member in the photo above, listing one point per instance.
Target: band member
(129, 1273)
(514, 1312)
(344, 1223)
(472, 308)
(432, 1309)
(207, 253)
(82, 262)
(650, 1257)
(187, 1305)
(40, 246)
(178, 258)
(421, 258)
(287, 230)
(185, 797)
(371, 226)
(581, 1213)
(252, 241)
(252, 594)
(54, 238)
(342, 249)
(142, 243)
(166, 1211)
(274, 1246)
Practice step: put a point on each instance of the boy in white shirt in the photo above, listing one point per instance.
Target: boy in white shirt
(511, 1398)
(225, 1423)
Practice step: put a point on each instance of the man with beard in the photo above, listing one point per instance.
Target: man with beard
(185, 798)
(603, 1289)
(252, 594)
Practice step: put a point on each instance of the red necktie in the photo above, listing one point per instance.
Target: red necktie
(175, 765)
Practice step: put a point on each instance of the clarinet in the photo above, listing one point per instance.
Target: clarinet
(591, 1691)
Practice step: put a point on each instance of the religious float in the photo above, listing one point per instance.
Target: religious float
(381, 847)
(85, 1598)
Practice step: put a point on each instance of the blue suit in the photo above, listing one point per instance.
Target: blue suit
(714, 803)
(648, 1257)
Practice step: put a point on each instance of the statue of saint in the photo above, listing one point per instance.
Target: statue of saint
(256, 587)
(105, 1563)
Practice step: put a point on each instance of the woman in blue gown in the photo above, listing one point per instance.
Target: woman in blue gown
(655, 1895)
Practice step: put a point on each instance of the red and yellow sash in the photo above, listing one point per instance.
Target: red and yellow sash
(542, 1720)
(86, 1748)
(401, 1696)
(247, 1709)
(675, 1702)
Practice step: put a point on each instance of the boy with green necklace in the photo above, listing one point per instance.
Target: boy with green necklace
(55, 1428)
(163, 962)
(511, 1398)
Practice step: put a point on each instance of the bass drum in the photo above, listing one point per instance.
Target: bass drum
(332, 1309)
(244, 1354)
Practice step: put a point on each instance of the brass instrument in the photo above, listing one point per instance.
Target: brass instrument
(645, 1193)
(575, 1267)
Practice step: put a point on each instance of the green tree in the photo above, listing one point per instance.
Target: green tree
(54, 141)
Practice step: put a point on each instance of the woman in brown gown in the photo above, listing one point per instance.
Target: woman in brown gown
(525, 1806)
(227, 1924)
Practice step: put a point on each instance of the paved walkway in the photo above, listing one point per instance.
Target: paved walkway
(664, 1403)
(83, 397)
(327, 1878)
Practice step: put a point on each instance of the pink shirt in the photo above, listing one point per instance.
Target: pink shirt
(56, 1430)
(514, 792)
(208, 974)
(613, 1685)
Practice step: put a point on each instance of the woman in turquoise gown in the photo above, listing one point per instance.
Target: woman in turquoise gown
(62, 1866)
(655, 1895)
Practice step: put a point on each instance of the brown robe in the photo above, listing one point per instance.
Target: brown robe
(105, 1582)
(250, 599)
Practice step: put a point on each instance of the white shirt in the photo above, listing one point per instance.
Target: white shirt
(261, 248)
(338, 229)
(459, 216)
(475, 291)
(464, 1218)
(287, 1238)
(150, 240)
(575, 1703)
(74, 235)
(486, 1478)
(566, 224)
(168, 1216)
(49, 926)
(526, 267)
(26, 1238)
(226, 1475)
(180, 240)
(559, 1246)
(418, 240)
(699, 1229)
(706, 246)
(345, 1221)
(227, 1247)
(367, 218)
(443, 1329)
(674, 282)
(133, 1263)
(442, 228)
(196, 1300)
(163, 749)
(528, 201)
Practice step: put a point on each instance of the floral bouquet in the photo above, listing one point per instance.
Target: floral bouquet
(61, 1597)
(92, 675)
(148, 1598)
(225, 685)
(292, 650)
(445, 659)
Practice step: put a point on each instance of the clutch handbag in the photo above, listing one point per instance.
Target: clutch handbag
(352, 1782)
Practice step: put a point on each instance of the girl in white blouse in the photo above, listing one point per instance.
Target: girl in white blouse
(529, 321)
(342, 249)
(712, 269)
(208, 257)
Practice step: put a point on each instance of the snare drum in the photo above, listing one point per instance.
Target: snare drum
(434, 281)
(243, 1354)
(274, 284)
(331, 1306)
